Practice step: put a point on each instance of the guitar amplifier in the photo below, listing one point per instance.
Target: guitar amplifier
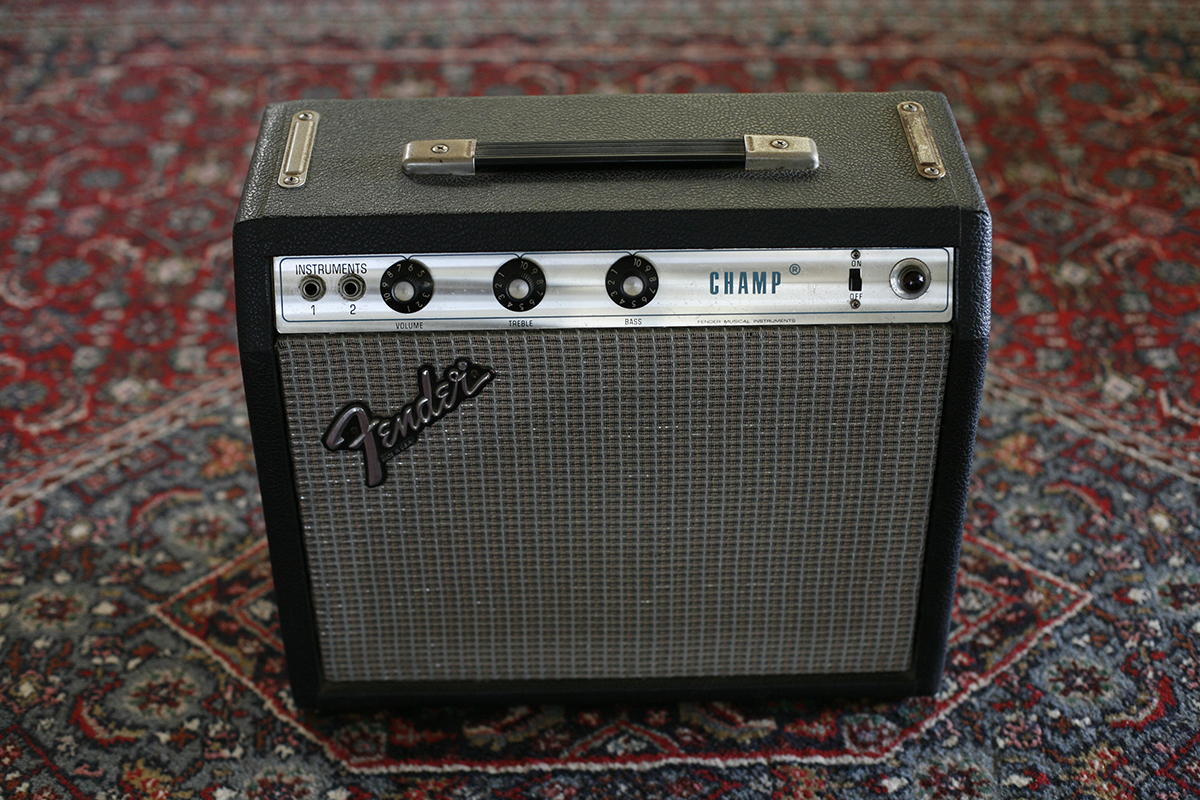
(612, 396)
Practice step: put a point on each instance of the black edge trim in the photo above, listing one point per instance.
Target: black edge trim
(371, 695)
(272, 456)
(406, 234)
(956, 448)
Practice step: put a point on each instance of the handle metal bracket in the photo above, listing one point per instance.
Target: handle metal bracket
(781, 152)
(439, 157)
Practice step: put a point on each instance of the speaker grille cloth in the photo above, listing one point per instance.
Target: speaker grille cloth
(664, 502)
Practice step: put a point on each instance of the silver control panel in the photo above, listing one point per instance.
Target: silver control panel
(601, 289)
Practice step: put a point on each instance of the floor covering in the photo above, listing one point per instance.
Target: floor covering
(139, 652)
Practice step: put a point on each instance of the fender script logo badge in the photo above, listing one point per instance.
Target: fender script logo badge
(379, 439)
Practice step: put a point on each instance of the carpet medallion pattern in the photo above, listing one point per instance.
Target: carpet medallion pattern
(139, 651)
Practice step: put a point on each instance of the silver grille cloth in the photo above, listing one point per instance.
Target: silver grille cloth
(654, 503)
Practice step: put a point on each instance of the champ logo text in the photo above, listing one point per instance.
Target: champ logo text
(747, 282)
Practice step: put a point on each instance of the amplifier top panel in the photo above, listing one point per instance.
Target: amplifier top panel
(345, 159)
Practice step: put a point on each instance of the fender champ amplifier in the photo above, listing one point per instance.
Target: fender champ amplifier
(625, 396)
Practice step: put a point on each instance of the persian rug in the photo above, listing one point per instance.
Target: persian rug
(139, 648)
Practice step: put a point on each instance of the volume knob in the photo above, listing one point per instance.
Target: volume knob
(406, 286)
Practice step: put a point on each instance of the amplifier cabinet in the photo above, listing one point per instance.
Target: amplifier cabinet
(622, 396)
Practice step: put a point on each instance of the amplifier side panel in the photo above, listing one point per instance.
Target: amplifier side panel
(622, 504)
(956, 445)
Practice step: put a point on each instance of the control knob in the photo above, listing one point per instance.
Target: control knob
(632, 281)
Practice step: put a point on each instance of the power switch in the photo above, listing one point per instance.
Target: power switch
(855, 279)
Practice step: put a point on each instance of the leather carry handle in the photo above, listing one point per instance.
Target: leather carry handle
(470, 156)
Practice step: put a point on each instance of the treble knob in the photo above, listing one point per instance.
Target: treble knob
(519, 284)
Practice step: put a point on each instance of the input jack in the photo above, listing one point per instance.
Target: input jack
(312, 288)
(352, 287)
(910, 279)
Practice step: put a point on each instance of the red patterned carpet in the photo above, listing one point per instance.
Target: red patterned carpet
(139, 655)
